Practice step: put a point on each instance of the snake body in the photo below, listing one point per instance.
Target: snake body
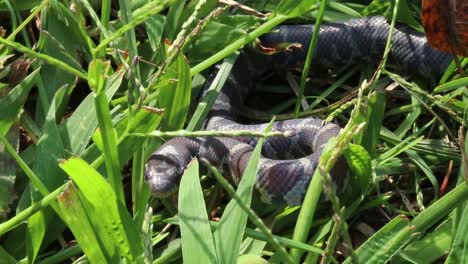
(282, 178)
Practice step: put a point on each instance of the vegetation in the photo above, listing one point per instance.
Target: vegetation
(90, 88)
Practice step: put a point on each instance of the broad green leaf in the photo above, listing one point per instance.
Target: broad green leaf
(62, 37)
(10, 106)
(175, 98)
(76, 217)
(197, 240)
(49, 150)
(107, 210)
(230, 27)
(359, 163)
(155, 27)
(173, 19)
(228, 236)
(97, 69)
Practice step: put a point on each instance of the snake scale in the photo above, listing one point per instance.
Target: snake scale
(281, 178)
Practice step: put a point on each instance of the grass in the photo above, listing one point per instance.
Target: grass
(86, 98)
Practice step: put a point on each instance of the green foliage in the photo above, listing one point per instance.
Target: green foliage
(108, 216)
(101, 88)
(197, 240)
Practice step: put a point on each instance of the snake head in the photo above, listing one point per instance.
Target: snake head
(162, 175)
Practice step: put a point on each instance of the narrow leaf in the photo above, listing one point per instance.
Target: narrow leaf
(234, 219)
(197, 241)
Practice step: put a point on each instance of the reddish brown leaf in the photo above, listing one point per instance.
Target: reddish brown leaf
(446, 25)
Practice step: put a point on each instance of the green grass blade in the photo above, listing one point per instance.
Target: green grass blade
(383, 244)
(197, 240)
(144, 121)
(298, 10)
(258, 235)
(374, 121)
(35, 234)
(430, 248)
(173, 19)
(229, 234)
(107, 209)
(459, 250)
(97, 78)
(239, 43)
(452, 85)
(175, 98)
(76, 217)
(212, 93)
(394, 235)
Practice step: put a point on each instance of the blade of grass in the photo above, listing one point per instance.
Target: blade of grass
(234, 218)
(175, 98)
(255, 234)
(105, 209)
(249, 212)
(212, 93)
(139, 16)
(77, 220)
(97, 79)
(375, 115)
(398, 233)
(197, 240)
(310, 54)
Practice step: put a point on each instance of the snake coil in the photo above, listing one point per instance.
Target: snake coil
(282, 179)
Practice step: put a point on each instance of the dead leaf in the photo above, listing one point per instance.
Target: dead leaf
(446, 25)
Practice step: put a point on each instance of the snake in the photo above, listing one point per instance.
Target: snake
(287, 164)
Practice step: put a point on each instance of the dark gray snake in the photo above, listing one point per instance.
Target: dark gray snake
(282, 179)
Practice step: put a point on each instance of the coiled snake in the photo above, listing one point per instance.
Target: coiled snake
(281, 180)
